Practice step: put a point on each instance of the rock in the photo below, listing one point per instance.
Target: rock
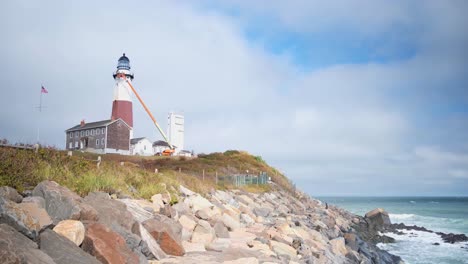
(141, 210)
(262, 211)
(203, 233)
(168, 211)
(338, 246)
(436, 244)
(112, 213)
(378, 219)
(246, 219)
(197, 202)
(230, 222)
(453, 238)
(10, 194)
(19, 218)
(62, 250)
(221, 230)
(157, 200)
(250, 260)
(350, 241)
(219, 244)
(181, 208)
(187, 223)
(17, 248)
(39, 201)
(62, 204)
(206, 213)
(282, 249)
(72, 229)
(38, 213)
(153, 245)
(167, 233)
(193, 247)
(107, 246)
(185, 191)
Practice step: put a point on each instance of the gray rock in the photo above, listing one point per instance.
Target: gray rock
(16, 248)
(378, 219)
(62, 250)
(10, 194)
(14, 215)
(62, 204)
(262, 211)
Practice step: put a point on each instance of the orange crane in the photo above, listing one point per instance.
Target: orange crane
(168, 152)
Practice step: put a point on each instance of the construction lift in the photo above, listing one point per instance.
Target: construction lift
(167, 152)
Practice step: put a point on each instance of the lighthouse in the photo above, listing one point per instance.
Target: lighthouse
(122, 104)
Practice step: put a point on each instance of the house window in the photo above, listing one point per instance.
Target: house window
(97, 131)
(91, 132)
(87, 132)
(71, 134)
(102, 141)
(103, 131)
(70, 145)
(76, 134)
(82, 133)
(76, 144)
(97, 142)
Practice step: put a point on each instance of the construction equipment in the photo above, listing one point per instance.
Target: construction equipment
(167, 152)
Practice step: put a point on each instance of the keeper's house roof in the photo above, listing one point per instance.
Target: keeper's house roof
(136, 140)
(160, 143)
(97, 124)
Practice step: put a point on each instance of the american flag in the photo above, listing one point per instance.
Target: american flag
(43, 90)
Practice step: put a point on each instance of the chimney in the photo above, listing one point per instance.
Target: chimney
(82, 123)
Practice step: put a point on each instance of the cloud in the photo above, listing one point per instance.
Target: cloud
(388, 127)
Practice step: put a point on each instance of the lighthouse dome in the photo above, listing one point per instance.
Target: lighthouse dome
(123, 63)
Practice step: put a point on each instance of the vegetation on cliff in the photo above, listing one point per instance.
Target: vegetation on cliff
(134, 175)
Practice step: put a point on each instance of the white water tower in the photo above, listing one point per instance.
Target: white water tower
(175, 131)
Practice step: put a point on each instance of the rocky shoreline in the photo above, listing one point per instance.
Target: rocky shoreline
(52, 224)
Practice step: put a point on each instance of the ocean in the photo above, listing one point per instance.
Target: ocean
(444, 214)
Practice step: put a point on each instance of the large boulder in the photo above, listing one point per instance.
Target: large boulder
(283, 249)
(221, 230)
(110, 212)
(62, 250)
(197, 202)
(338, 246)
(153, 245)
(39, 201)
(262, 211)
(377, 219)
(29, 220)
(107, 246)
(229, 222)
(167, 232)
(10, 194)
(203, 233)
(73, 230)
(185, 191)
(17, 248)
(62, 204)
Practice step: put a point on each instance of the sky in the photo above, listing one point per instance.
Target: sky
(362, 97)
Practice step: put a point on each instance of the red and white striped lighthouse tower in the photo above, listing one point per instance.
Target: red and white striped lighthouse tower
(122, 104)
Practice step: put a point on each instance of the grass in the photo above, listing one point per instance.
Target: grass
(135, 176)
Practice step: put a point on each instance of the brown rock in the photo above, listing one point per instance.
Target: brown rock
(167, 233)
(107, 246)
(378, 218)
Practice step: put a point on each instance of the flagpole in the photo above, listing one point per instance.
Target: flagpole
(40, 110)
